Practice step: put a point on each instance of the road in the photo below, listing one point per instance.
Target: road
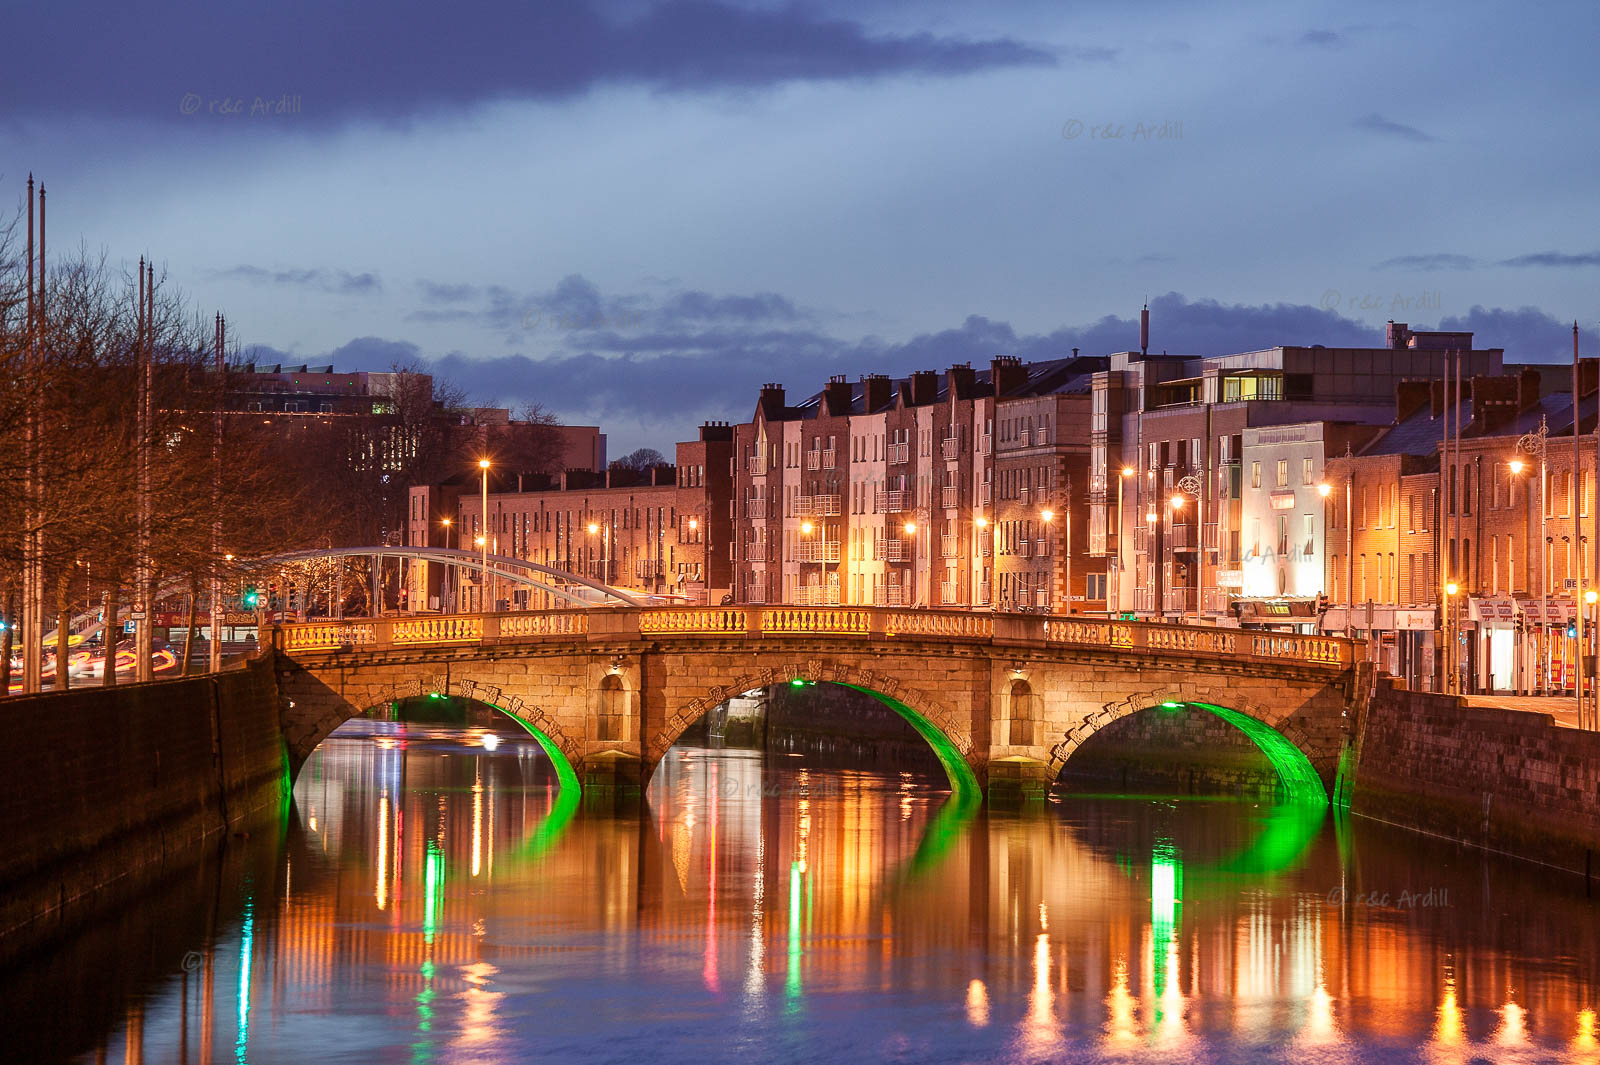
(1564, 708)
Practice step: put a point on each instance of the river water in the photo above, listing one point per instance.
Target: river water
(435, 898)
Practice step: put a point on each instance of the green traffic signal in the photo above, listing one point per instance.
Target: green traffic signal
(251, 597)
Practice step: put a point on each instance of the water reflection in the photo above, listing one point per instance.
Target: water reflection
(436, 900)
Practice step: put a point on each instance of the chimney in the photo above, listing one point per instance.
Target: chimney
(876, 392)
(1494, 402)
(961, 378)
(1144, 330)
(1006, 374)
(1410, 397)
(924, 387)
(1527, 389)
(1436, 398)
(1396, 335)
(772, 399)
(836, 397)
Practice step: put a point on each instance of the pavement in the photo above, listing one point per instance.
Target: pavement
(1564, 708)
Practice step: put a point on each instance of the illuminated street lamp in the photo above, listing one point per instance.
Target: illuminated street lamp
(1325, 490)
(1126, 472)
(1533, 445)
(483, 541)
(605, 549)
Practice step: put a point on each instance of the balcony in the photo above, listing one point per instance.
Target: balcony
(813, 460)
(949, 593)
(1144, 600)
(1215, 601)
(756, 467)
(815, 551)
(950, 496)
(1024, 549)
(899, 453)
(755, 551)
(829, 459)
(948, 547)
(1179, 601)
(894, 502)
(816, 595)
(986, 494)
(950, 448)
(824, 506)
(755, 508)
(1041, 548)
(897, 596)
(646, 568)
(888, 550)
(1180, 537)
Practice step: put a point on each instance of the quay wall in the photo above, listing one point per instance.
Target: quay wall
(113, 788)
(1505, 780)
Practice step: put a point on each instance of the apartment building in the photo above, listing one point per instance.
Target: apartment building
(935, 490)
(1168, 439)
(659, 533)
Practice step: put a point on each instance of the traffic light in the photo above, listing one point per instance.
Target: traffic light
(1572, 629)
(251, 598)
(272, 595)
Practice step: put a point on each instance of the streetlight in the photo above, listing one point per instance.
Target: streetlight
(911, 531)
(1125, 473)
(605, 549)
(979, 524)
(1325, 490)
(806, 529)
(483, 541)
(1533, 445)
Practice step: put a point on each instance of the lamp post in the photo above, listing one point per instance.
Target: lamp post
(1126, 472)
(1533, 445)
(1589, 598)
(483, 467)
(980, 525)
(1452, 680)
(1189, 485)
(1047, 516)
(605, 549)
(445, 592)
(911, 531)
(806, 529)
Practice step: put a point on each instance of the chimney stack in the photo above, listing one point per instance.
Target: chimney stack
(876, 392)
(772, 399)
(836, 397)
(961, 378)
(924, 387)
(1006, 374)
(1144, 330)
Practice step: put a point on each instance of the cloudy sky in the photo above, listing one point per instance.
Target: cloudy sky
(634, 213)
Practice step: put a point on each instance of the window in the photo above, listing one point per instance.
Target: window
(1311, 536)
(1255, 475)
(1307, 471)
(1095, 587)
(1283, 534)
(1283, 473)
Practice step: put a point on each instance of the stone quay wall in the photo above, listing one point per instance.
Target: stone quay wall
(112, 788)
(1505, 780)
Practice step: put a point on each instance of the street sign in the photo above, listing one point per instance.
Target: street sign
(136, 615)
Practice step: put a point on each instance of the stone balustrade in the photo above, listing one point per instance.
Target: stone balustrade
(846, 622)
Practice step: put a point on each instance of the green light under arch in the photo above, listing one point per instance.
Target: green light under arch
(963, 782)
(1294, 769)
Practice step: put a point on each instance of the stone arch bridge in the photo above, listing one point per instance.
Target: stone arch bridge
(1003, 699)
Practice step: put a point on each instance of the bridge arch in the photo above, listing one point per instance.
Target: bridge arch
(562, 749)
(1287, 749)
(940, 728)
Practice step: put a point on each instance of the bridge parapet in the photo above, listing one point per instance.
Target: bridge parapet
(957, 626)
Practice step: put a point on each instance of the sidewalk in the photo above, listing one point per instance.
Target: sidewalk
(1564, 708)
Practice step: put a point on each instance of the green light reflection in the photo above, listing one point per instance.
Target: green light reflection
(247, 937)
(792, 985)
(962, 779)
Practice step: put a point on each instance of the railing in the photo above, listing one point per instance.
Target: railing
(815, 551)
(950, 448)
(820, 506)
(755, 551)
(889, 621)
(1179, 600)
(755, 508)
(947, 546)
(1215, 601)
(813, 460)
(830, 458)
(891, 550)
(894, 501)
(899, 452)
(950, 496)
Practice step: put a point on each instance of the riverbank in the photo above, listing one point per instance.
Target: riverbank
(115, 788)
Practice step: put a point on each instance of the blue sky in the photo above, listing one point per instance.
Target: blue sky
(635, 213)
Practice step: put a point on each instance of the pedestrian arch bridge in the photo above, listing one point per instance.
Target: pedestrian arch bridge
(1003, 699)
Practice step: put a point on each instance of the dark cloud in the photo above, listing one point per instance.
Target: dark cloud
(1554, 258)
(1321, 39)
(440, 292)
(1527, 333)
(1435, 261)
(1376, 123)
(340, 282)
(310, 63)
(671, 379)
